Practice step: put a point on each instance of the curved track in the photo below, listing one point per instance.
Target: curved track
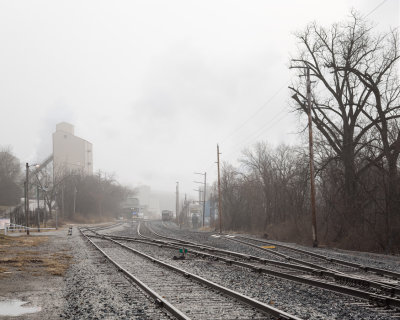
(177, 289)
(375, 292)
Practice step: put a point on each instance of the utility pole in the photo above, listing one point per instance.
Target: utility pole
(204, 196)
(184, 212)
(312, 182)
(219, 193)
(38, 207)
(75, 191)
(44, 208)
(177, 201)
(204, 193)
(62, 201)
(27, 197)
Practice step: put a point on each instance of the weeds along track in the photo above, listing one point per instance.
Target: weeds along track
(181, 293)
(379, 294)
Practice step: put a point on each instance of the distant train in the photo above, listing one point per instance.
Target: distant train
(166, 215)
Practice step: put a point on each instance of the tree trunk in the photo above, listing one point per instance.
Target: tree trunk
(392, 207)
(351, 213)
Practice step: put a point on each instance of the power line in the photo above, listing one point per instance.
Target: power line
(376, 8)
(268, 125)
(258, 133)
(233, 132)
(255, 113)
(279, 116)
(262, 128)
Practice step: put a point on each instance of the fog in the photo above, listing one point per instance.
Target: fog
(155, 85)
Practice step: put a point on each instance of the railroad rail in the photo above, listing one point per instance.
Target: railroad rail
(108, 226)
(378, 271)
(378, 277)
(374, 292)
(186, 284)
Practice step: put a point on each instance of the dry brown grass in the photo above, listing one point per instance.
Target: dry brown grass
(16, 255)
(89, 219)
(57, 264)
(20, 241)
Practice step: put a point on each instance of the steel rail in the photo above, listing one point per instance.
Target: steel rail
(174, 239)
(250, 301)
(107, 226)
(378, 271)
(222, 251)
(159, 300)
(379, 299)
(390, 289)
(172, 245)
(383, 286)
(321, 273)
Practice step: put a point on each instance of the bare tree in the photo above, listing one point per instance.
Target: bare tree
(348, 62)
(10, 175)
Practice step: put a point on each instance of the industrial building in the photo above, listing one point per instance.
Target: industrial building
(71, 153)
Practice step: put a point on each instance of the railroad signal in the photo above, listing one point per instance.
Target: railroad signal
(183, 252)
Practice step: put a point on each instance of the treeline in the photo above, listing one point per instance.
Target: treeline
(82, 196)
(354, 93)
(74, 195)
(10, 176)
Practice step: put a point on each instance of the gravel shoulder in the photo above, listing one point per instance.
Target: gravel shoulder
(67, 279)
(32, 269)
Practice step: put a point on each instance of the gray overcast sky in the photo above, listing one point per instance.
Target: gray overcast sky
(154, 85)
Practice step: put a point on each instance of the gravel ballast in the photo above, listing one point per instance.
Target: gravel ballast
(301, 300)
(96, 290)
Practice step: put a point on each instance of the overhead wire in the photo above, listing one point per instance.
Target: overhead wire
(235, 131)
(376, 8)
(256, 134)
(263, 130)
(278, 117)
(265, 104)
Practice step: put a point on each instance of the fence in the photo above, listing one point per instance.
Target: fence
(12, 227)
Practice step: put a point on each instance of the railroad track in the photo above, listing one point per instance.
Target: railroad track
(181, 293)
(311, 258)
(345, 271)
(375, 292)
(108, 226)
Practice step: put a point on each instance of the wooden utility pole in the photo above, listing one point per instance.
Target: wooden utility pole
(62, 201)
(75, 191)
(204, 196)
(27, 197)
(219, 194)
(38, 211)
(312, 181)
(177, 201)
